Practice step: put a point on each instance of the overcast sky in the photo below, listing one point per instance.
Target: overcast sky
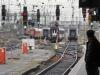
(66, 11)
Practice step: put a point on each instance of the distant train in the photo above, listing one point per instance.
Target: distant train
(73, 35)
(34, 32)
(56, 34)
(50, 33)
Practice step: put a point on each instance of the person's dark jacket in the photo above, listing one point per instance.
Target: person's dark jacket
(92, 55)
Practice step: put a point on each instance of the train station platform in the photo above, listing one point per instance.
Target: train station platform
(79, 68)
(18, 63)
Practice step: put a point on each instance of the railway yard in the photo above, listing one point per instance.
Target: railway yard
(54, 58)
(36, 41)
(46, 37)
(61, 63)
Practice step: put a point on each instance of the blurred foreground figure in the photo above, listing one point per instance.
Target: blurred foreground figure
(92, 57)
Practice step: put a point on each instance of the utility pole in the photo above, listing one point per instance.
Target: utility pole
(57, 25)
(44, 13)
(0, 15)
(9, 12)
(72, 22)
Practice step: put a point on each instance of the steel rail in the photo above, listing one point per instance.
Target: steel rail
(54, 64)
(71, 66)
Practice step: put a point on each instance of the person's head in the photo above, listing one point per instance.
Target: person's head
(90, 34)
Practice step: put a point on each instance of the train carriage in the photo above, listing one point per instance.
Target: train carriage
(46, 32)
(56, 34)
(50, 33)
(34, 32)
(73, 33)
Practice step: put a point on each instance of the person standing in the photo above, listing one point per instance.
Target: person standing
(92, 56)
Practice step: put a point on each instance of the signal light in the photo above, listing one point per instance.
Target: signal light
(25, 15)
(3, 12)
(57, 17)
(57, 12)
(84, 13)
(38, 15)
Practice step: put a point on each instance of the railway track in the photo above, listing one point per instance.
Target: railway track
(65, 62)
